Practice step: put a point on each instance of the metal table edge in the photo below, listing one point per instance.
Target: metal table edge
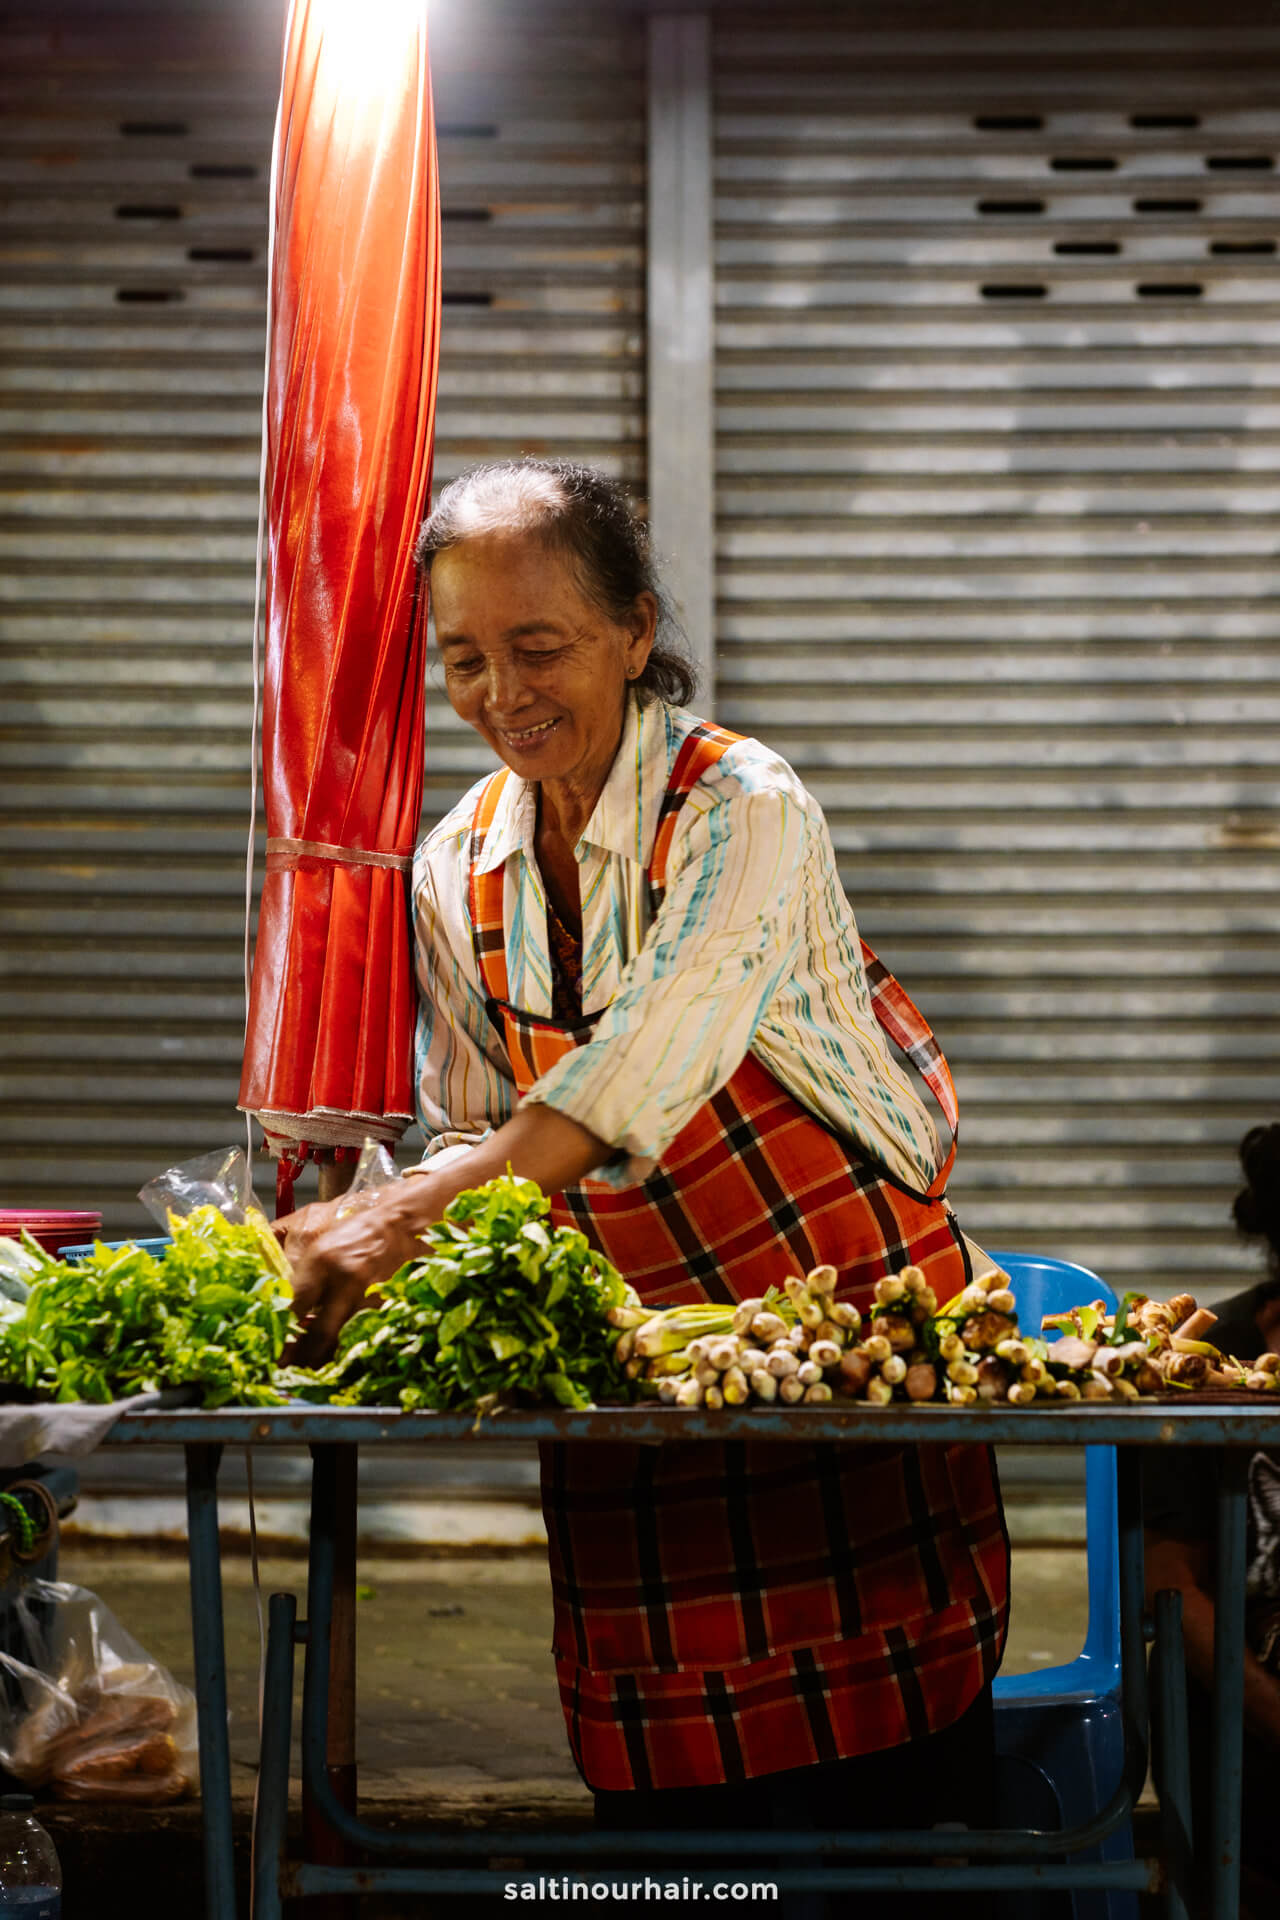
(1158, 1424)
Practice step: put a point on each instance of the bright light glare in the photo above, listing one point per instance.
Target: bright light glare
(363, 43)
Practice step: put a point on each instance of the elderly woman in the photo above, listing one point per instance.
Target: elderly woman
(642, 987)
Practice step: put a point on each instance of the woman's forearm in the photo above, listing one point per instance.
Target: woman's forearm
(537, 1143)
(339, 1250)
(1187, 1565)
(1261, 1687)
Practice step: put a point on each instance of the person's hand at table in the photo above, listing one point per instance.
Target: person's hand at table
(341, 1250)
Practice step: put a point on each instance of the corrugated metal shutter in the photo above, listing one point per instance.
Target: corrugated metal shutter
(134, 157)
(997, 354)
(541, 119)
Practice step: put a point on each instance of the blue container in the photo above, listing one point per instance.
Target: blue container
(83, 1249)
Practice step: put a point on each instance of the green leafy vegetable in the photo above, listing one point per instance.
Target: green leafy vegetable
(501, 1307)
(214, 1312)
(1120, 1331)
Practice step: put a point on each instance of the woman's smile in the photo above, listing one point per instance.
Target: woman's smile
(527, 739)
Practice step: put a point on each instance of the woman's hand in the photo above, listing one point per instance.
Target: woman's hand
(342, 1249)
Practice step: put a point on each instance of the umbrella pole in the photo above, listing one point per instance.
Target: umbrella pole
(335, 1176)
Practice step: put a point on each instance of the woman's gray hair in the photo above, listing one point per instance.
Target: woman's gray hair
(585, 515)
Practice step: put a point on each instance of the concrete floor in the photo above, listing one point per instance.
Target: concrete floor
(459, 1716)
(457, 1695)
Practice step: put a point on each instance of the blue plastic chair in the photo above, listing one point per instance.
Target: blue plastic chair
(1060, 1732)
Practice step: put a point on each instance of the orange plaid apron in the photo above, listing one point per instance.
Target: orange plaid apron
(724, 1610)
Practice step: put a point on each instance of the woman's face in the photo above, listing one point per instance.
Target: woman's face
(530, 662)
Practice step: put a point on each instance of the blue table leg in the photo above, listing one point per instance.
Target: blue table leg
(271, 1808)
(1133, 1651)
(1228, 1685)
(1175, 1758)
(330, 1666)
(211, 1680)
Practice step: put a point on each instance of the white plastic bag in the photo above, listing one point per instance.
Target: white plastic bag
(219, 1179)
(222, 1179)
(375, 1172)
(85, 1710)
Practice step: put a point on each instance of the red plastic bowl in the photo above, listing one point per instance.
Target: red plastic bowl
(51, 1230)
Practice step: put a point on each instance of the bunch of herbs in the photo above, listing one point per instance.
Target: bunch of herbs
(501, 1308)
(213, 1312)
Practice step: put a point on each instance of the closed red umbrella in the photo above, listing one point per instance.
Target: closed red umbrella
(350, 402)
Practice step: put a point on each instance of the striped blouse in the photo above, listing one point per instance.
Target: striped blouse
(753, 947)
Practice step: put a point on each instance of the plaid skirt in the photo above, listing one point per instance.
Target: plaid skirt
(724, 1610)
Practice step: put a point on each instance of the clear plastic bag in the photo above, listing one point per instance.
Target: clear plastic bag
(375, 1172)
(222, 1179)
(83, 1708)
(218, 1179)
(375, 1169)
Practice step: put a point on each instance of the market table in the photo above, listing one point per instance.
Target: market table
(995, 1860)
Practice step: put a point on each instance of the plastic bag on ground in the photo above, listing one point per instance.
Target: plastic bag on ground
(84, 1710)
